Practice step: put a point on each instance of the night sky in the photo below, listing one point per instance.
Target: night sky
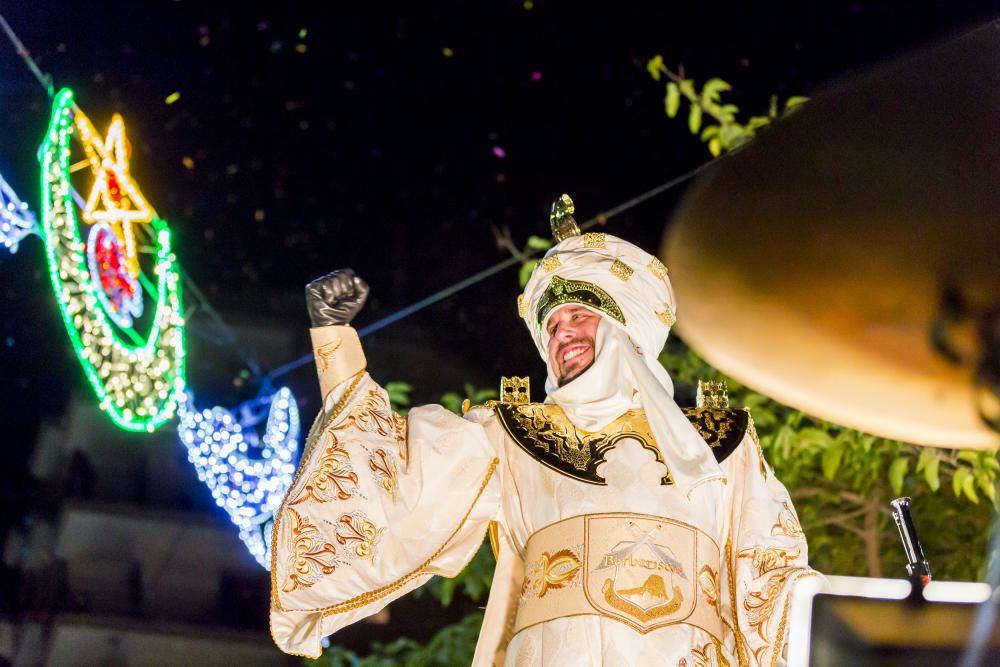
(309, 136)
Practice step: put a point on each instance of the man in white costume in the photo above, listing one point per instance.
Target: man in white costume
(627, 531)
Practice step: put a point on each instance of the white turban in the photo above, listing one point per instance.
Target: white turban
(630, 289)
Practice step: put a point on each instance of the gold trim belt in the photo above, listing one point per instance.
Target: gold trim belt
(645, 571)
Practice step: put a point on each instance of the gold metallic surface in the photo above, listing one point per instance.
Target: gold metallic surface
(515, 390)
(843, 261)
(712, 394)
(561, 219)
(621, 270)
(561, 291)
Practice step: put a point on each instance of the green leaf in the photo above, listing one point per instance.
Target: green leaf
(694, 119)
(795, 101)
(897, 472)
(772, 109)
(706, 134)
(655, 66)
(969, 488)
(448, 587)
(452, 401)
(729, 111)
(713, 88)
(732, 135)
(399, 394)
(525, 275)
(926, 454)
(931, 473)
(672, 101)
(831, 461)
(958, 479)
(714, 147)
(968, 456)
(988, 485)
(538, 243)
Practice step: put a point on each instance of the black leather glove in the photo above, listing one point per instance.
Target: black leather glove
(335, 298)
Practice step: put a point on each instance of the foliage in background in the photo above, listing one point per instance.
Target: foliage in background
(714, 122)
(452, 645)
(841, 480)
(534, 245)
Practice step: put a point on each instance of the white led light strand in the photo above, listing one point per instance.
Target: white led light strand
(16, 221)
(248, 475)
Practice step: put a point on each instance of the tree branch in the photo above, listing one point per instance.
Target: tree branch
(505, 242)
(838, 519)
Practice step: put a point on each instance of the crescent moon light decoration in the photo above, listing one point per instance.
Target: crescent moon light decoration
(138, 379)
(249, 488)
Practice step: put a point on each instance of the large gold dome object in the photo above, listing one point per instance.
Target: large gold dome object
(846, 261)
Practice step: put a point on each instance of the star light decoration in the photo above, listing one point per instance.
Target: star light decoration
(248, 475)
(138, 380)
(115, 198)
(16, 221)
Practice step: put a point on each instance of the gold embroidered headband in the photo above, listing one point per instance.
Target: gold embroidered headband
(561, 291)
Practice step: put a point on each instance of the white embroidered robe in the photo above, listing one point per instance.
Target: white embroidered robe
(381, 503)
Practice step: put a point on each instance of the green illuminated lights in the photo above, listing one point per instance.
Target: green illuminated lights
(138, 382)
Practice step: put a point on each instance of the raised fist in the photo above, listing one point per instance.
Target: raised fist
(335, 298)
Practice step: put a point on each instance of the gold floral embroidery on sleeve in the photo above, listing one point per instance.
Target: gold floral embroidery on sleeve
(362, 535)
(788, 524)
(401, 445)
(767, 559)
(325, 352)
(385, 471)
(372, 415)
(310, 557)
(759, 605)
(332, 477)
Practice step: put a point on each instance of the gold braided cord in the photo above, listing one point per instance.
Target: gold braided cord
(310, 443)
(741, 655)
(778, 639)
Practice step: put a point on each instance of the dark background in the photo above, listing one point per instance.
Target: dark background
(314, 135)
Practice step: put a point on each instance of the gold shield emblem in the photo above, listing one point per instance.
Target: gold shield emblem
(641, 570)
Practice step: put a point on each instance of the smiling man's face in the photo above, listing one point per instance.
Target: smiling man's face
(572, 330)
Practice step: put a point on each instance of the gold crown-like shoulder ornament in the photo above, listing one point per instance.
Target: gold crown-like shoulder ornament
(544, 432)
(515, 390)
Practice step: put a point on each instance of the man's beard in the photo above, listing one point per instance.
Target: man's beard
(568, 376)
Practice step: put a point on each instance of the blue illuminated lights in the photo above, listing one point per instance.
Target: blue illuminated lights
(247, 474)
(16, 221)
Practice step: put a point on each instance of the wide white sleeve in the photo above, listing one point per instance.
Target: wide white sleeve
(379, 504)
(766, 553)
